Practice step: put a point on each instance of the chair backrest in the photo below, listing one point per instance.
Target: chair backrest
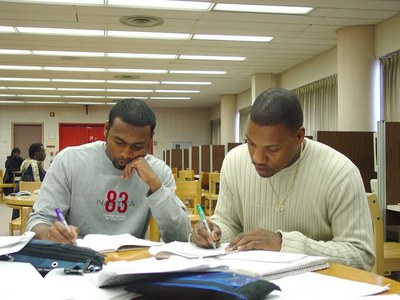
(174, 171)
(204, 180)
(213, 182)
(154, 233)
(189, 190)
(377, 222)
(29, 186)
(186, 175)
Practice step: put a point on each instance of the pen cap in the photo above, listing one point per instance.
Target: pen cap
(201, 212)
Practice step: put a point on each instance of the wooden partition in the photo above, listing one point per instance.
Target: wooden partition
(176, 159)
(217, 154)
(195, 159)
(205, 158)
(230, 146)
(357, 146)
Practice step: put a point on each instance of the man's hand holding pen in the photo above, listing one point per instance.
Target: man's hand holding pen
(202, 238)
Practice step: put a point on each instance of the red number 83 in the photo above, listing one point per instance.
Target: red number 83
(113, 200)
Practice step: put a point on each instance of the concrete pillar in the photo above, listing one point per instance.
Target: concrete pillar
(228, 112)
(356, 56)
(261, 82)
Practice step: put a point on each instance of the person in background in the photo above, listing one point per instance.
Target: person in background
(31, 168)
(12, 164)
(111, 187)
(284, 192)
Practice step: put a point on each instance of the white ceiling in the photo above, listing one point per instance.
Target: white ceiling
(296, 39)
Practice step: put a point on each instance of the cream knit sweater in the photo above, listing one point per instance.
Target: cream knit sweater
(326, 214)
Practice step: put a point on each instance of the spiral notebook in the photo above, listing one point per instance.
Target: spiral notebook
(271, 265)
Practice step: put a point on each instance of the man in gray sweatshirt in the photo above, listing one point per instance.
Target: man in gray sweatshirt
(111, 187)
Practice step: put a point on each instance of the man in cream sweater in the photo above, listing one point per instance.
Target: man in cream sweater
(284, 192)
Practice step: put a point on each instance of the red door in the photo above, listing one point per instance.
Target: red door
(78, 134)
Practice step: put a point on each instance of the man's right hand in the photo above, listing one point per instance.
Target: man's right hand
(57, 233)
(201, 237)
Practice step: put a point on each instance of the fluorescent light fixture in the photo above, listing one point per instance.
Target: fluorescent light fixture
(44, 102)
(81, 89)
(82, 2)
(10, 102)
(148, 35)
(162, 4)
(87, 103)
(213, 57)
(6, 29)
(84, 96)
(234, 38)
(130, 91)
(15, 52)
(170, 98)
(74, 69)
(8, 95)
(271, 9)
(133, 81)
(68, 53)
(40, 96)
(31, 88)
(79, 80)
(187, 82)
(23, 79)
(23, 68)
(123, 97)
(151, 71)
(197, 72)
(177, 91)
(143, 55)
(61, 31)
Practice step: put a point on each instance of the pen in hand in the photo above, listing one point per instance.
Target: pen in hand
(204, 220)
(61, 218)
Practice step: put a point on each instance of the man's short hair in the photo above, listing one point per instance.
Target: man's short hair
(15, 150)
(33, 148)
(277, 106)
(133, 111)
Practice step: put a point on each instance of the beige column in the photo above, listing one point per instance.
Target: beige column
(228, 118)
(355, 52)
(260, 82)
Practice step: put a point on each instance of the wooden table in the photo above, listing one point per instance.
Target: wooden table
(24, 204)
(2, 186)
(335, 270)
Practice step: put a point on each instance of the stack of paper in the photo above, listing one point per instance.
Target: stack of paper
(12, 244)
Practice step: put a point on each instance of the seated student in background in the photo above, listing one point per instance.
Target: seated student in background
(284, 192)
(111, 187)
(31, 168)
(12, 164)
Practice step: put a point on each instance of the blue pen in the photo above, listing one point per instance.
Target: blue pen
(204, 220)
(61, 218)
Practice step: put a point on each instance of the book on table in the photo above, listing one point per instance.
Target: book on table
(113, 243)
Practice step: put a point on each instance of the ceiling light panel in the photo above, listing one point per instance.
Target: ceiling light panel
(162, 4)
(212, 57)
(143, 55)
(271, 9)
(197, 72)
(68, 53)
(233, 38)
(60, 31)
(148, 35)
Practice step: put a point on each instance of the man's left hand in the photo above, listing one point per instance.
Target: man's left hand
(258, 239)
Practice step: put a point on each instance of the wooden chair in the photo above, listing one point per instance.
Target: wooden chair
(175, 172)
(20, 222)
(387, 253)
(186, 175)
(190, 194)
(204, 182)
(210, 198)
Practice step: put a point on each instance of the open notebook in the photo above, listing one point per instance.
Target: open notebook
(259, 263)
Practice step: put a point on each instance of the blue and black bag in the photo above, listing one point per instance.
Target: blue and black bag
(47, 255)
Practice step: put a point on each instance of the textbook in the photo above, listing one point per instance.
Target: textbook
(112, 243)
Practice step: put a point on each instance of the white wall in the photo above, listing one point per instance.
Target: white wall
(189, 125)
(387, 36)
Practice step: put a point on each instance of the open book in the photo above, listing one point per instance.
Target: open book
(112, 243)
